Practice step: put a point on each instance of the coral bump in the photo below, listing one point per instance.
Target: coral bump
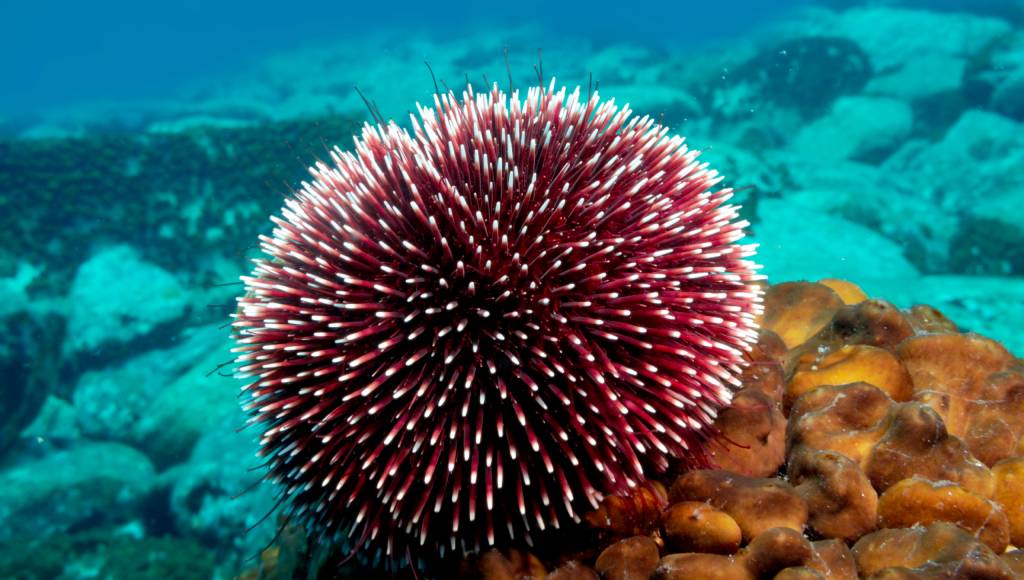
(468, 333)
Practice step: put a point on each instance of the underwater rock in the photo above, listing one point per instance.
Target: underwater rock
(214, 499)
(111, 402)
(894, 37)
(927, 76)
(14, 288)
(105, 553)
(655, 100)
(117, 297)
(1008, 96)
(29, 355)
(800, 244)
(984, 245)
(984, 238)
(176, 197)
(90, 482)
(788, 75)
(993, 76)
(856, 128)
(883, 201)
(55, 423)
(192, 404)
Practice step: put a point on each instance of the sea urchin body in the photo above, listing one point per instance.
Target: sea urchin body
(472, 332)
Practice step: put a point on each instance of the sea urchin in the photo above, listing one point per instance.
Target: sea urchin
(475, 331)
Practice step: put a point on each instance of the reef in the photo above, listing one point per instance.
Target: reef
(178, 195)
(866, 441)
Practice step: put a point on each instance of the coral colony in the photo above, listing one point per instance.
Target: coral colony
(471, 333)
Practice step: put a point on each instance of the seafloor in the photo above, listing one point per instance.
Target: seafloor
(879, 145)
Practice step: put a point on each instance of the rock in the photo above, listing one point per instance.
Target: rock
(856, 128)
(1008, 96)
(14, 288)
(927, 76)
(29, 363)
(974, 171)
(54, 423)
(998, 68)
(203, 491)
(894, 37)
(887, 201)
(789, 74)
(989, 243)
(110, 403)
(976, 158)
(116, 297)
(119, 553)
(801, 244)
(189, 407)
(98, 483)
(751, 176)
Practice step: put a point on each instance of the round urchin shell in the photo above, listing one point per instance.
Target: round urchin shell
(472, 332)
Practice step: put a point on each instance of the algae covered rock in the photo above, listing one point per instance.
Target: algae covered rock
(111, 403)
(117, 297)
(199, 400)
(856, 128)
(216, 495)
(90, 482)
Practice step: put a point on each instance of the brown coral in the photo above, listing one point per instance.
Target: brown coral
(847, 291)
(953, 363)
(797, 311)
(878, 418)
(916, 444)
(919, 501)
(750, 435)
(768, 554)
(833, 559)
(630, 559)
(988, 413)
(513, 565)
(1009, 494)
(846, 418)
(764, 370)
(938, 546)
(692, 526)
(850, 364)
(841, 501)
(573, 570)
(928, 320)
(757, 504)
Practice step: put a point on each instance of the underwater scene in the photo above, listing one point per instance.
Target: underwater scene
(726, 290)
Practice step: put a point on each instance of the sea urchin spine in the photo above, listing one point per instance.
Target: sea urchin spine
(470, 333)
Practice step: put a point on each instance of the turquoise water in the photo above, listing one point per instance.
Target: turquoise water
(142, 150)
